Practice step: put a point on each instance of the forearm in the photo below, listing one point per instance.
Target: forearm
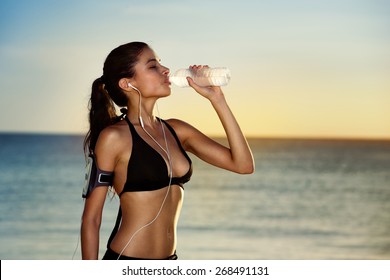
(89, 241)
(241, 154)
(238, 157)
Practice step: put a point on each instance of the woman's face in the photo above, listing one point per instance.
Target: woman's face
(151, 78)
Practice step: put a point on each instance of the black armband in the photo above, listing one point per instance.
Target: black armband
(95, 177)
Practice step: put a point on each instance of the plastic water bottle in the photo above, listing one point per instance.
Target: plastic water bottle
(218, 76)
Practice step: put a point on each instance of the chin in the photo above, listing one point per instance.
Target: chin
(167, 93)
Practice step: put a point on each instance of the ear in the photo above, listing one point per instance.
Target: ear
(124, 84)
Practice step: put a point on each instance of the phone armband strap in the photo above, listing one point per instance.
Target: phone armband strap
(95, 177)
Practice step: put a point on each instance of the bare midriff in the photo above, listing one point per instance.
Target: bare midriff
(145, 231)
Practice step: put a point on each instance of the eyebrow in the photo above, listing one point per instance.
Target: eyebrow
(153, 60)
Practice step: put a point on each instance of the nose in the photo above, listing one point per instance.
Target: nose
(165, 71)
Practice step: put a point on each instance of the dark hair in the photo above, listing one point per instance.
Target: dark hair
(106, 91)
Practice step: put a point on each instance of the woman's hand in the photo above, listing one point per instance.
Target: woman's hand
(209, 92)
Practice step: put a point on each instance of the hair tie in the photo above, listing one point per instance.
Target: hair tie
(124, 113)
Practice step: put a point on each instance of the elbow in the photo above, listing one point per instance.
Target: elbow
(245, 164)
(247, 171)
(246, 168)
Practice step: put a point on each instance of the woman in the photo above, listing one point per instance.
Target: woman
(147, 155)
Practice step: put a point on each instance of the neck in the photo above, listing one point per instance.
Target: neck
(144, 112)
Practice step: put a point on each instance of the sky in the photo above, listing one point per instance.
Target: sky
(302, 68)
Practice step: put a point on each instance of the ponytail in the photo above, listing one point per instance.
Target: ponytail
(106, 91)
(102, 113)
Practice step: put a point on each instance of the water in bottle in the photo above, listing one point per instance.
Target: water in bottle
(218, 76)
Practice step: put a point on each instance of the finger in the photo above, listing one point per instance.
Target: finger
(191, 82)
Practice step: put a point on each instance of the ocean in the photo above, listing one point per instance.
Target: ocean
(308, 199)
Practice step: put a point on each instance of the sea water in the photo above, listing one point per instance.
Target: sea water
(308, 199)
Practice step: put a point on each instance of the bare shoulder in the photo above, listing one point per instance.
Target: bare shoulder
(180, 125)
(112, 142)
(112, 134)
(187, 133)
(182, 128)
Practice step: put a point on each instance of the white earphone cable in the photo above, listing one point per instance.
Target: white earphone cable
(166, 151)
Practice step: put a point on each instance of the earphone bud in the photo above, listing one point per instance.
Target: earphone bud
(133, 87)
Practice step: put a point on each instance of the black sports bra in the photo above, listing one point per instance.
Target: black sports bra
(147, 169)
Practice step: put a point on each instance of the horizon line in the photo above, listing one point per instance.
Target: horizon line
(218, 136)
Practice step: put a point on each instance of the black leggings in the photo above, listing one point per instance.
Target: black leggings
(111, 255)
